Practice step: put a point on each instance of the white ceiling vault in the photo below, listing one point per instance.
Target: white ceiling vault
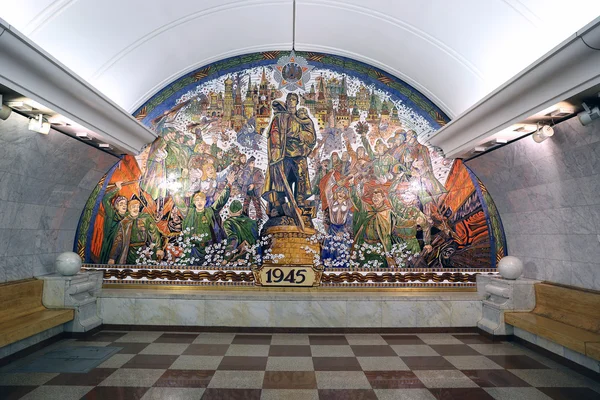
(454, 52)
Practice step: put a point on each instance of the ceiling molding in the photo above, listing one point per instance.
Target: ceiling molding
(173, 24)
(402, 25)
(52, 11)
(237, 52)
(359, 57)
(524, 11)
(568, 69)
(27, 69)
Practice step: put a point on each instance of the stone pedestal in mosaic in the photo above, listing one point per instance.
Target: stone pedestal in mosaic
(500, 295)
(78, 292)
(291, 241)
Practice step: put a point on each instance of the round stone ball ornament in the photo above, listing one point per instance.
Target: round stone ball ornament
(510, 267)
(68, 263)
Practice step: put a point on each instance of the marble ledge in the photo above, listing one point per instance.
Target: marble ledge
(309, 312)
(288, 295)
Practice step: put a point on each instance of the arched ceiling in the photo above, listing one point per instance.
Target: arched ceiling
(454, 52)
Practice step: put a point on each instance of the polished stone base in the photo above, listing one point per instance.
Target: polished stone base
(556, 348)
(285, 309)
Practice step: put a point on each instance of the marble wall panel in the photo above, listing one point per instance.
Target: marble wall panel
(277, 313)
(115, 310)
(402, 314)
(45, 181)
(434, 313)
(551, 212)
(188, 312)
(465, 313)
(238, 313)
(364, 313)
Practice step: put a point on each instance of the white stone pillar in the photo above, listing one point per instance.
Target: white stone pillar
(79, 292)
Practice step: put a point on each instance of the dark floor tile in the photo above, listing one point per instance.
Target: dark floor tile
(236, 363)
(559, 393)
(327, 339)
(130, 348)
(290, 380)
(428, 362)
(336, 364)
(495, 378)
(104, 337)
(402, 339)
(14, 392)
(517, 362)
(176, 338)
(393, 380)
(231, 394)
(206, 350)
(474, 339)
(185, 378)
(461, 394)
(252, 339)
(115, 393)
(289, 351)
(347, 394)
(373, 351)
(150, 361)
(454, 350)
(92, 378)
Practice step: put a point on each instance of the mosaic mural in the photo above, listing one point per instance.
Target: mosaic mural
(321, 147)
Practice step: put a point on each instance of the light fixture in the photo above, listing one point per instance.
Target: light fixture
(83, 136)
(20, 106)
(501, 141)
(479, 149)
(4, 110)
(561, 112)
(543, 132)
(39, 125)
(105, 146)
(524, 128)
(589, 115)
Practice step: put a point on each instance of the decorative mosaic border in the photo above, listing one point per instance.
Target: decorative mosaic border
(162, 100)
(242, 276)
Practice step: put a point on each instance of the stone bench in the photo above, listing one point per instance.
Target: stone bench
(567, 316)
(23, 315)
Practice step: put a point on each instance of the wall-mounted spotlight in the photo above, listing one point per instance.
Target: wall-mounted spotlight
(5, 111)
(543, 132)
(589, 115)
(39, 125)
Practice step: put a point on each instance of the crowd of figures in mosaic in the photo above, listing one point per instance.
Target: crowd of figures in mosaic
(236, 151)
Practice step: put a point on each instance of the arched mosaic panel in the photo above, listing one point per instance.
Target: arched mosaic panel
(237, 155)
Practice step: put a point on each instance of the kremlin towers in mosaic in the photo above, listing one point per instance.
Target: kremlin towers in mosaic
(328, 102)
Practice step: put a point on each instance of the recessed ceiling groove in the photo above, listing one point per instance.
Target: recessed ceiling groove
(405, 26)
(52, 11)
(172, 78)
(177, 22)
(391, 70)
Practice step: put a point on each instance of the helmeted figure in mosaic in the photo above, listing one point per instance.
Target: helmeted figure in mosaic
(136, 232)
(291, 138)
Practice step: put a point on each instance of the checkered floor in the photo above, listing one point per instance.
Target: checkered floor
(228, 366)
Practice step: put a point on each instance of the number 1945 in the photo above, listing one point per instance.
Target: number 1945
(294, 276)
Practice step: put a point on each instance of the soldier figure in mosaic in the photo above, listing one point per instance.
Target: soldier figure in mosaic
(136, 232)
(291, 138)
(374, 224)
(115, 209)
